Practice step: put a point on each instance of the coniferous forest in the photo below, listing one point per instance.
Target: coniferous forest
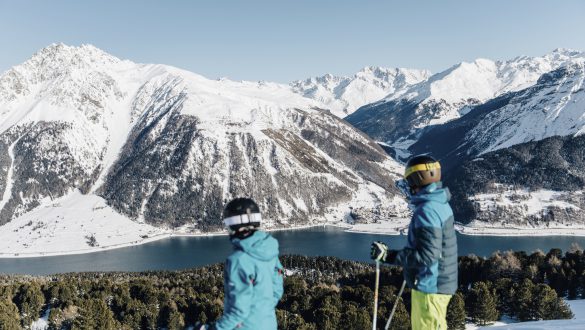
(320, 293)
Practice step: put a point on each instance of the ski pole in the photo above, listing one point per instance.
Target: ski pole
(376, 295)
(395, 304)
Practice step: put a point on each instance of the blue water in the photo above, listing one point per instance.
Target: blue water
(187, 252)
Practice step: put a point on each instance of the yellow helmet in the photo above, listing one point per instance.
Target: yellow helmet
(422, 170)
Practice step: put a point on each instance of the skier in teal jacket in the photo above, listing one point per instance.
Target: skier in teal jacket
(253, 277)
(429, 259)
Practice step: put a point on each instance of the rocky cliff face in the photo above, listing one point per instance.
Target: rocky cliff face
(39, 164)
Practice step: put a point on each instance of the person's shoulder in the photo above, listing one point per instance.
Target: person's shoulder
(241, 261)
(236, 256)
(426, 215)
(425, 208)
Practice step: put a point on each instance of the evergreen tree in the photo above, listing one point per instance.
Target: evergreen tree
(55, 318)
(9, 318)
(573, 286)
(522, 306)
(176, 321)
(29, 300)
(401, 319)
(327, 316)
(505, 295)
(456, 312)
(337, 294)
(290, 321)
(547, 306)
(95, 314)
(295, 298)
(482, 304)
(561, 310)
(353, 317)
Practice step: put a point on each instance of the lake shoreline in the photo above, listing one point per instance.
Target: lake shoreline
(181, 252)
(371, 229)
(158, 237)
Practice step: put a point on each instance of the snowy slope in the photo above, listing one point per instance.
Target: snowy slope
(555, 106)
(516, 161)
(481, 80)
(65, 226)
(165, 147)
(344, 95)
(229, 139)
(63, 116)
(577, 323)
(452, 93)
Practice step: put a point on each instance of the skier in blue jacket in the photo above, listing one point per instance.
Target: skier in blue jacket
(429, 259)
(253, 282)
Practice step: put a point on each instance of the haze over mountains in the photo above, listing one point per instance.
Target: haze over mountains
(95, 146)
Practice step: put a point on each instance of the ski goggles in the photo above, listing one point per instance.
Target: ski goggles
(236, 222)
(421, 167)
(242, 219)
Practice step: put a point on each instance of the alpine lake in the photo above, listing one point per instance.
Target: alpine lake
(176, 253)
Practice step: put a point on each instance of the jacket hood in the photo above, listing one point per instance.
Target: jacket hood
(433, 192)
(259, 245)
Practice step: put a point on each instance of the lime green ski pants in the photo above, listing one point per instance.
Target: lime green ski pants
(429, 311)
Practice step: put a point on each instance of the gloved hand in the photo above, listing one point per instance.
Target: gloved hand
(379, 251)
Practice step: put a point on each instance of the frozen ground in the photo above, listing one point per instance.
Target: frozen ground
(577, 323)
(41, 323)
(400, 225)
(67, 225)
(555, 230)
(387, 227)
(527, 202)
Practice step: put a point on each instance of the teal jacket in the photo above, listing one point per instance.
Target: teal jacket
(429, 260)
(252, 284)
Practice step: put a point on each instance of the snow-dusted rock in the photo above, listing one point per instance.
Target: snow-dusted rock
(344, 95)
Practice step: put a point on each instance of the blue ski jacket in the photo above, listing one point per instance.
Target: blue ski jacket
(253, 284)
(429, 259)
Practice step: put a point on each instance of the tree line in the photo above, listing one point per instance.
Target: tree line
(320, 293)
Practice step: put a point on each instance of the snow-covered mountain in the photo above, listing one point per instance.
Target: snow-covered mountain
(445, 96)
(554, 106)
(517, 160)
(344, 95)
(165, 148)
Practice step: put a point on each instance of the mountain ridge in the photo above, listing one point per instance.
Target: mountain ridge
(165, 148)
(398, 119)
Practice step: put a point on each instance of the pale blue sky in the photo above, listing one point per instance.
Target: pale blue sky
(286, 40)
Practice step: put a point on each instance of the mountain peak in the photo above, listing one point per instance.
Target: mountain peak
(566, 51)
(62, 55)
(52, 62)
(344, 94)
